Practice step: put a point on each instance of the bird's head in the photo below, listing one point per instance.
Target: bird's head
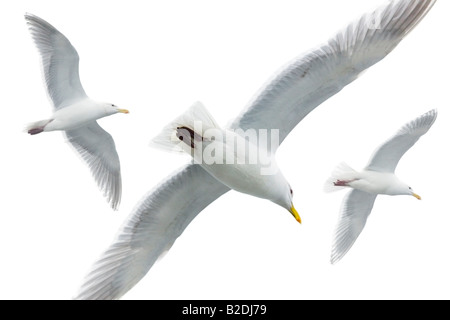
(112, 109)
(401, 188)
(412, 193)
(286, 202)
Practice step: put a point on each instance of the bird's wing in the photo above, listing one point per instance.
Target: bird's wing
(97, 148)
(150, 230)
(320, 73)
(387, 156)
(355, 210)
(286, 100)
(59, 61)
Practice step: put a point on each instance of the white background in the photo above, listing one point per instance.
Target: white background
(156, 58)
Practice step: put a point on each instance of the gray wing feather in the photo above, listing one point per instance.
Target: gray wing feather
(151, 229)
(355, 210)
(387, 156)
(319, 74)
(60, 62)
(300, 87)
(97, 149)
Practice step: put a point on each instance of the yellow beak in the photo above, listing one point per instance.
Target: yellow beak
(124, 111)
(416, 196)
(295, 214)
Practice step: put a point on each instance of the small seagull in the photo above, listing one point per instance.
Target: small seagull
(377, 178)
(74, 112)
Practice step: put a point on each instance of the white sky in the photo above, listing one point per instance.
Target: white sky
(156, 58)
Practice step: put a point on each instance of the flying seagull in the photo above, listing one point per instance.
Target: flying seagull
(378, 177)
(163, 213)
(74, 112)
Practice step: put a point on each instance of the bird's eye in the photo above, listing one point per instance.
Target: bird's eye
(292, 192)
(409, 188)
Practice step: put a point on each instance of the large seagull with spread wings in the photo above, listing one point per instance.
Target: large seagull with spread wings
(164, 213)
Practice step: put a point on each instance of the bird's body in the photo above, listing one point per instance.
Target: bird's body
(236, 170)
(240, 164)
(247, 178)
(75, 116)
(164, 212)
(376, 182)
(378, 178)
(74, 113)
(244, 176)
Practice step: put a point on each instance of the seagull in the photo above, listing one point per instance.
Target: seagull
(240, 164)
(378, 177)
(162, 215)
(74, 113)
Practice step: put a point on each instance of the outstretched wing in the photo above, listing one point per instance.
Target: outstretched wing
(59, 61)
(97, 148)
(320, 73)
(152, 227)
(387, 156)
(166, 211)
(355, 210)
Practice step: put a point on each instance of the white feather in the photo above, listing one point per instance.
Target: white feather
(342, 172)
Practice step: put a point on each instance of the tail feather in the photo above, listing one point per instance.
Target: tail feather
(181, 134)
(37, 127)
(340, 175)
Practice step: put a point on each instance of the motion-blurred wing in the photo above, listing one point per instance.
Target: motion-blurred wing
(151, 229)
(320, 73)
